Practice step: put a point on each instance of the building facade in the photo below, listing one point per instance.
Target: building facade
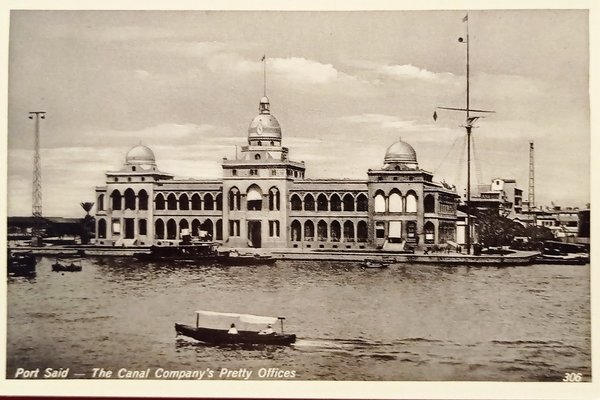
(264, 200)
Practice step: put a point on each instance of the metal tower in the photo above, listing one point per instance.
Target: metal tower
(531, 198)
(37, 177)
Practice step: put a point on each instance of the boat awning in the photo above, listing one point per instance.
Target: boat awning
(247, 318)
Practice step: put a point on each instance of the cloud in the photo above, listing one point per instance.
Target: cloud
(381, 121)
(301, 69)
(408, 71)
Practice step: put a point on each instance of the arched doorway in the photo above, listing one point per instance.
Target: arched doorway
(159, 229)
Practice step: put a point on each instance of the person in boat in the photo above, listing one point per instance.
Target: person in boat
(232, 330)
(268, 331)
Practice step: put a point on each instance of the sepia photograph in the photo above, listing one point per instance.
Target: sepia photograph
(297, 197)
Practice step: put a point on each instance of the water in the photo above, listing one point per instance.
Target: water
(407, 322)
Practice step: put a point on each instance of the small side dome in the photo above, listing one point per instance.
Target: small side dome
(141, 155)
(400, 152)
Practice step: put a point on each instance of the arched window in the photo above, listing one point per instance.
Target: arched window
(219, 228)
(129, 199)
(322, 203)
(395, 202)
(171, 202)
(100, 206)
(296, 231)
(411, 202)
(309, 202)
(116, 199)
(254, 198)
(209, 203)
(429, 204)
(362, 231)
(348, 202)
(184, 227)
(348, 231)
(322, 231)
(196, 202)
(234, 199)
(379, 203)
(102, 229)
(429, 230)
(336, 231)
(362, 203)
(143, 200)
(207, 226)
(309, 230)
(159, 202)
(184, 202)
(171, 229)
(296, 203)
(159, 229)
(274, 199)
(195, 228)
(336, 203)
(219, 202)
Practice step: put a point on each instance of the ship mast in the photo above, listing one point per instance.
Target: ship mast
(469, 121)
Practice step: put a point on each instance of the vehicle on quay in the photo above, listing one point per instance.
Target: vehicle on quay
(218, 328)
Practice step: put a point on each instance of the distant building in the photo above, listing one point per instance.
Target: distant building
(265, 200)
(501, 195)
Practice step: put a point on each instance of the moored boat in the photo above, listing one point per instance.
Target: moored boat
(212, 335)
(373, 264)
(233, 257)
(191, 253)
(21, 264)
(72, 267)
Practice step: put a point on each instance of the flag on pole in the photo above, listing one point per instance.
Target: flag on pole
(466, 18)
(263, 57)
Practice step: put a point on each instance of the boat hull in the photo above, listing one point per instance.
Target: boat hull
(220, 336)
(66, 268)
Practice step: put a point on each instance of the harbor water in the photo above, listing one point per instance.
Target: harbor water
(406, 322)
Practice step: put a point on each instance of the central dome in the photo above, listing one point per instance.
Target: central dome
(264, 126)
(140, 154)
(400, 152)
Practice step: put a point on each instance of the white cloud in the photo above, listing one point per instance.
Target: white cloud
(301, 69)
(382, 121)
(409, 71)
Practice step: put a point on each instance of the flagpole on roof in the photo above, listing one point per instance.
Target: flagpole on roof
(264, 60)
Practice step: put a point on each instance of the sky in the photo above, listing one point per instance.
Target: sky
(343, 85)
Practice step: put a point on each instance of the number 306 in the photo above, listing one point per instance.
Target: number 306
(572, 377)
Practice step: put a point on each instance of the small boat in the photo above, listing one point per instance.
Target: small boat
(245, 335)
(233, 257)
(58, 267)
(21, 264)
(374, 264)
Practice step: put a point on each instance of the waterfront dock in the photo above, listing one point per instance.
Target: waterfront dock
(516, 258)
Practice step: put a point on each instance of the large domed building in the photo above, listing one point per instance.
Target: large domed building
(264, 200)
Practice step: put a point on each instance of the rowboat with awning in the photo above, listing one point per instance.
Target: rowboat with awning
(215, 328)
